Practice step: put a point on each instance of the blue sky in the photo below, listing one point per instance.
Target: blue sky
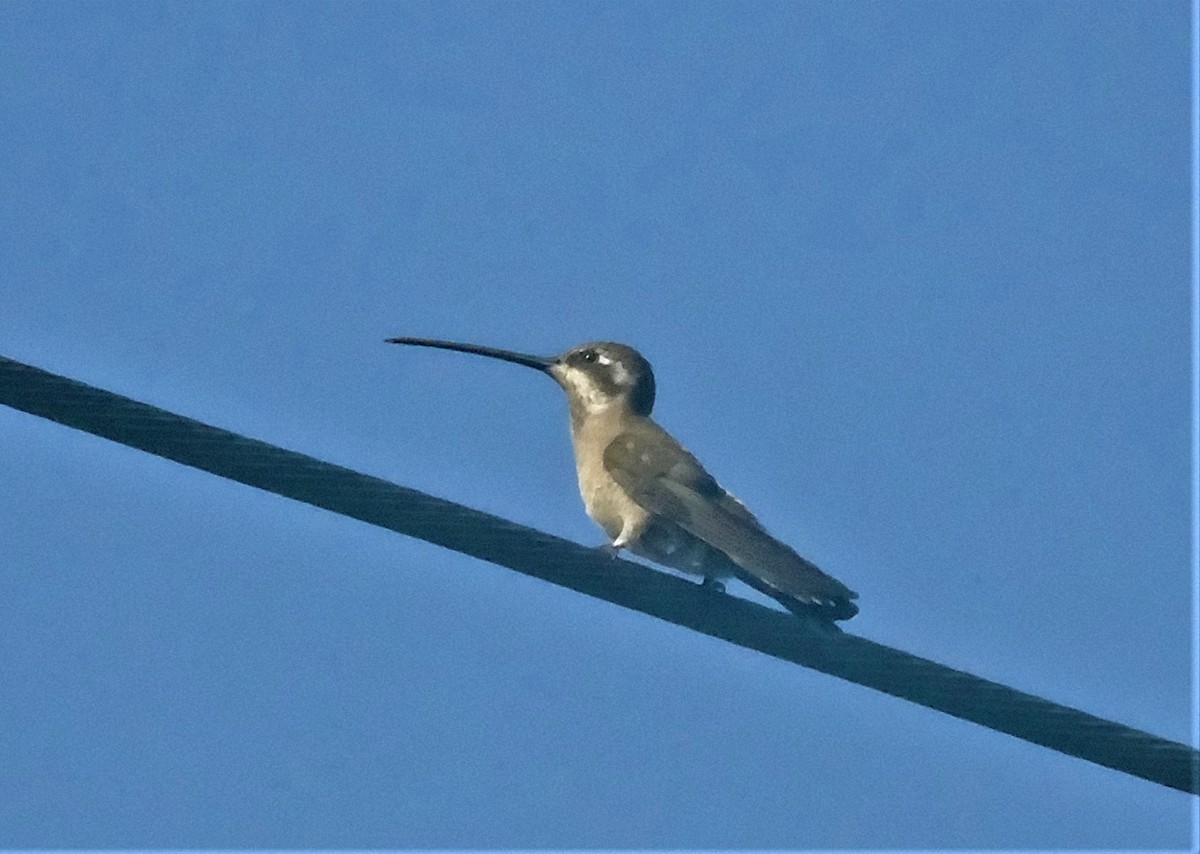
(914, 279)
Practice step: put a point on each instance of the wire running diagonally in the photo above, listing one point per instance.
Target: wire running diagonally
(416, 514)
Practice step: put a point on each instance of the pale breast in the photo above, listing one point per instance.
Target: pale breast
(605, 501)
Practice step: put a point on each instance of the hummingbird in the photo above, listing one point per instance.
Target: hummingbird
(650, 495)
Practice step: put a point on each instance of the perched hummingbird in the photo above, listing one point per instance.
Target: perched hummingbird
(650, 495)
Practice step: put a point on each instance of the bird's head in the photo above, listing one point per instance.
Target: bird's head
(599, 375)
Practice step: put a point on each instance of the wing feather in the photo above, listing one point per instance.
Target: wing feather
(668, 481)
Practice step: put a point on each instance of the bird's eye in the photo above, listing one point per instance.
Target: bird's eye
(589, 355)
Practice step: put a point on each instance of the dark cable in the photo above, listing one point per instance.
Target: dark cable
(567, 564)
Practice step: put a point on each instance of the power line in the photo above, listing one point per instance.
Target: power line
(568, 564)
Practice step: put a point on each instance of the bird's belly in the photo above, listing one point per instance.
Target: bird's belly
(650, 537)
(611, 508)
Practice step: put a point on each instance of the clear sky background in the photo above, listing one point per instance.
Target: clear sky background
(914, 279)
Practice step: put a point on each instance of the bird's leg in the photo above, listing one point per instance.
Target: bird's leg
(622, 540)
(610, 549)
(712, 585)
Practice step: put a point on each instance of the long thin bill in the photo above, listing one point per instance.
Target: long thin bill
(539, 362)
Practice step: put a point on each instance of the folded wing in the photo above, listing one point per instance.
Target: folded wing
(668, 481)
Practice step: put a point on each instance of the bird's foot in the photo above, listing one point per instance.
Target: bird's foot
(610, 549)
(712, 585)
